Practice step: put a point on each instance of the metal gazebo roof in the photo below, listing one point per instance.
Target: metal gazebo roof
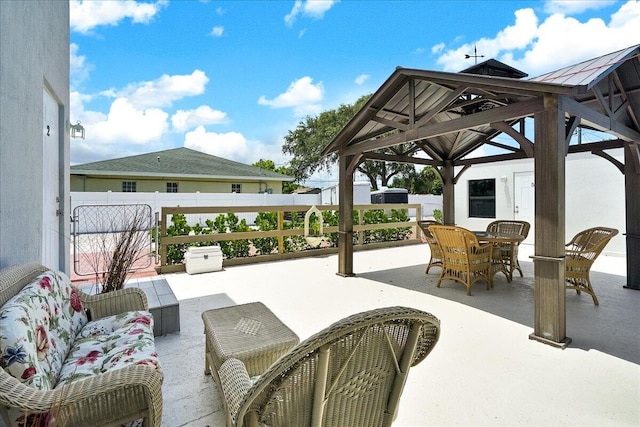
(448, 115)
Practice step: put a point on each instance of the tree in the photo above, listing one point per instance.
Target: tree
(287, 187)
(428, 181)
(312, 135)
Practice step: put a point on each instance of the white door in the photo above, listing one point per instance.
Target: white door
(524, 200)
(51, 182)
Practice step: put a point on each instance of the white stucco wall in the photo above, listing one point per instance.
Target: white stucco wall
(594, 195)
(34, 53)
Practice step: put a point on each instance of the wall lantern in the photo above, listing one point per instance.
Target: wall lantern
(77, 130)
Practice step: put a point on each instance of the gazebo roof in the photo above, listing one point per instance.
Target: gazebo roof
(449, 115)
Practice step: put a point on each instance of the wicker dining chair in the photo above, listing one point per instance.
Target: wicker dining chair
(436, 253)
(464, 259)
(508, 253)
(580, 253)
(350, 374)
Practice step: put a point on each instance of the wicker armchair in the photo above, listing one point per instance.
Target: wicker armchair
(508, 252)
(350, 374)
(580, 253)
(464, 259)
(112, 398)
(436, 253)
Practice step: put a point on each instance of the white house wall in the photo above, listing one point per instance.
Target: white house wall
(594, 195)
(34, 55)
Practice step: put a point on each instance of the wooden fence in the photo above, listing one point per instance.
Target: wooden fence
(280, 233)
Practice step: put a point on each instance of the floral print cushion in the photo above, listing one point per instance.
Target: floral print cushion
(37, 328)
(111, 343)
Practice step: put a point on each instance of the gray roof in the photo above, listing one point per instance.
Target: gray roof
(177, 162)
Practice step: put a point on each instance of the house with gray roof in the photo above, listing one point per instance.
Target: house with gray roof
(178, 170)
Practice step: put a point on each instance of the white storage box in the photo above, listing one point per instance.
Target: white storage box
(203, 259)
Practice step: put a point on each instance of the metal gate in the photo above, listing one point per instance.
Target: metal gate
(100, 231)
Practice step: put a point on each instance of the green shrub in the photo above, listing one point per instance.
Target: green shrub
(437, 215)
(266, 221)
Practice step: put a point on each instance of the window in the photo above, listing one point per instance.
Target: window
(236, 188)
(172, 187)
(482, 198)
(128, 186)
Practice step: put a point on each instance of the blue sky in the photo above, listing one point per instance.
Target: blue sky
(231, 78)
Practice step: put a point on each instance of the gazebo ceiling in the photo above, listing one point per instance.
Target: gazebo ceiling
(449, 115)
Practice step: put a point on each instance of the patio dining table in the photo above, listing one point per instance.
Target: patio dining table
(503, 255)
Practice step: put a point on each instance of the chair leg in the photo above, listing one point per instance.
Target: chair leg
(591, 291)
(517, 267)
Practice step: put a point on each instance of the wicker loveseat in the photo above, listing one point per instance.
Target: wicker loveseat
(73, 358)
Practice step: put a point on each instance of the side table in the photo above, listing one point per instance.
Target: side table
(248, 332)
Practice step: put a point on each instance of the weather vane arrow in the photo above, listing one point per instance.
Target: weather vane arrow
(475, 55)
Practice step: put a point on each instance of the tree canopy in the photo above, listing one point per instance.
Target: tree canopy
(287, 187)
(312, 135)
(427, 181)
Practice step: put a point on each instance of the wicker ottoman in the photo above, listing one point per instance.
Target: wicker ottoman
(248, 332)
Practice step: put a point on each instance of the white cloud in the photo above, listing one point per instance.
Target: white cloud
(230, 145)
(538, 47)
(311, 8)
(418, 51)
(302, 95)
(78, 112)
(513, 37)
(437, 48)
(203, 115)
(86, 15)
(165, 90)
(572, 7)
(79, 68)
(137, 113)
(362, 78)
(233, 146)
(217, 31)
(124, 124)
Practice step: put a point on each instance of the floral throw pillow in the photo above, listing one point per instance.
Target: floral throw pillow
(37, 328)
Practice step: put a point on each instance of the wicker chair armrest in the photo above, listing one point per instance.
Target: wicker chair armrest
(116, 302)
(235, 382)
(579, 254)
(85, 392)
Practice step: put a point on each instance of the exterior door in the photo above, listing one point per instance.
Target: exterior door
(524, 200)
(51, 182)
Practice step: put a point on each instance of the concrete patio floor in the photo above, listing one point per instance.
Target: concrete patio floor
(484, 371)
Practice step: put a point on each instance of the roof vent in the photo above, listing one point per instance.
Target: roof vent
(492, 67)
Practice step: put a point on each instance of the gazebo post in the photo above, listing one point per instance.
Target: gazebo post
(632, 205)
(345, 217)
(448, 194)
(549, 263)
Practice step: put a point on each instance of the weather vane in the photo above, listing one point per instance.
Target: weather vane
(475, 55)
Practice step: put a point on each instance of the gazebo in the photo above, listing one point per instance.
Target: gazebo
(439, 118)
